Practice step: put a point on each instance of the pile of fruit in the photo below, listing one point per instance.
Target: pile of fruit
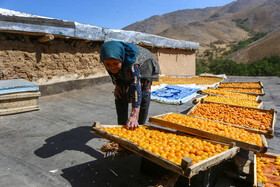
(244, 90)
(230, 94)
(232, 101)
(169, 145)
(214, 127)
(268, 170)
(187, 80)
(241, 85)
(235, 115)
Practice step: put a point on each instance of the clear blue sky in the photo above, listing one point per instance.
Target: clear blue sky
(114, 14)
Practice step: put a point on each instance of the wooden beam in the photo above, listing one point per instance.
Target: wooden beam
(46, 38)
(186, 163)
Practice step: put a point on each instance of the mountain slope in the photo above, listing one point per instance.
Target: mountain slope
(218, 28)
(262, 18)
(157, 24)
(182, 24)
(267, 46)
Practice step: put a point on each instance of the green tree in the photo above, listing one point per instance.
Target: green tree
(268, 66)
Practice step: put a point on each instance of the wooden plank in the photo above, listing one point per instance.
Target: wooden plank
(96, 129)
(255, 171)
(18, 103)
(256, 94)
(18, 110)
(19, 95)
(205, 134)
(268, 133)
(269, 155)
(271, 130)
(206, 93)
(259, 82)
(46, 38)
(197, 100)
(210, 162)
(186, 163)
(265, 145)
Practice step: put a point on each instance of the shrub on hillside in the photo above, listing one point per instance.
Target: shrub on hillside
(268, 66)
(244, 43)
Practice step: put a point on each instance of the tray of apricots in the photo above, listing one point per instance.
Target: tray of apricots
(254, 119)
(229, 94)
(181, 153)
(199, 80)
(266, 170)
(257, 85)
(212, 130)
(230, 100)
(250, 91)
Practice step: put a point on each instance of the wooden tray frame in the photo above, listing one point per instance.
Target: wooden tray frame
(186, 169)
(205, 93)
(259, 94)
(197, 100)
(208, 135)
(207, 76)
(242, 87)
(29, 98)
(256, 183)
(268, 134)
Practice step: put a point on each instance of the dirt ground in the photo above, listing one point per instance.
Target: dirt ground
(53, 146)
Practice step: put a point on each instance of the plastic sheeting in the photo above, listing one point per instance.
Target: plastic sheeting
(16, 86)
(17, 21)
(173, 94)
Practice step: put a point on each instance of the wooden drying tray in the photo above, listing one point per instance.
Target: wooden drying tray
(268, 155)
(205, 134)
(206, 93)
(256, 94)
(13, 103)
(197, 100)
(268, 134)
(259, 82)
(185, 169)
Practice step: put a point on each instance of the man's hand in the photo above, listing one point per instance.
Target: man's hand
(132, 122)
(118, 92)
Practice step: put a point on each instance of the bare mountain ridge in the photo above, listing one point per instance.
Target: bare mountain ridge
(267, 46)
(157, 24)
(218, 25)
(263, 18)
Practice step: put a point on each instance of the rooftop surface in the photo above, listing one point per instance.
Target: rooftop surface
(53, 146)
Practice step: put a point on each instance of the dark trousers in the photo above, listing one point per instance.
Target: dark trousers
(122, 109)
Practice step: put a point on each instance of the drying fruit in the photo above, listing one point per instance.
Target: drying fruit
(232, 101)
(187, 80)
(251, 117)
(267, 171)
(169, 145)
(230, 94)
(244, 90)
(241, 85)
(214, 127)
